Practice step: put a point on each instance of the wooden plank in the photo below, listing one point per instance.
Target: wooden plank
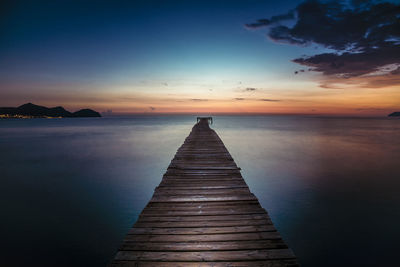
(173, 173)
(205, 181)
(201, 230)
(160, 207)
(177, 191)
(204, 205)
(267, 263)
(202, 246)
(201, 179)
(180, 186)
(204, 237)
(202, 212)
(239, 255)
(149, 218)
(203, 160)
(169, 224)
(183, 198)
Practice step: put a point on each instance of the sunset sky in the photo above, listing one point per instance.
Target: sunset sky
(285, 57)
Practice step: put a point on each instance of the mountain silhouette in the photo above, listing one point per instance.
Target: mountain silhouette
(394, 114)
(86, 113)
(33, 110)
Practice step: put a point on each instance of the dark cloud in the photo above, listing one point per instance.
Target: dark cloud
(165, 84)
(198, 99)
(365, 36)
(239, 98)
(274, 19)
(348, 64)
(152, 108)
(298, 71)
(250, 89)
(270, 100)
(369, 109)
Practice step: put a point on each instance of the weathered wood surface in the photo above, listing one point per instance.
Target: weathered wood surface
(203, 214)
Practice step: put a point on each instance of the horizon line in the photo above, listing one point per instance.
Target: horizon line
(123, 114)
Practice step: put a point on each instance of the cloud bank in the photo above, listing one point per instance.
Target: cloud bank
(364, 37)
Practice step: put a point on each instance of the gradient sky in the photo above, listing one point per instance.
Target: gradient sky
(197, 57)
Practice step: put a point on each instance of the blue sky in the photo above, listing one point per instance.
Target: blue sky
(149, 52)
(142, 37)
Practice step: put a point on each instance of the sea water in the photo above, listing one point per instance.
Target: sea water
(71, 188)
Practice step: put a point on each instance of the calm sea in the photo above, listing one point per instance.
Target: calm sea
(71, 188)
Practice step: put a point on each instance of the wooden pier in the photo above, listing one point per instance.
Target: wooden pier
(203, 214)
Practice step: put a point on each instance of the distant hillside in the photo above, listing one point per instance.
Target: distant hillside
(32, 110)
(86, 113)
(394, 114)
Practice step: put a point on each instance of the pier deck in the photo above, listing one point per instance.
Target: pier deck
(203, 214)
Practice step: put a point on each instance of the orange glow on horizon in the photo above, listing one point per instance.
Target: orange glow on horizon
(287, 97)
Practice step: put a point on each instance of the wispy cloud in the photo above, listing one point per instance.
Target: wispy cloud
(369, 109)
(198, 99)
(270, 100)
(239, 98)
